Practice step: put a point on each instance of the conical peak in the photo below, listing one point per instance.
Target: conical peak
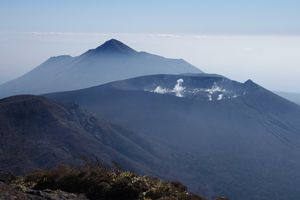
(115, 46)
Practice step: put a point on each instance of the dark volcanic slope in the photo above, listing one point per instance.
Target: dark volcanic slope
(111, 61)
(38, 133)
(239, 139)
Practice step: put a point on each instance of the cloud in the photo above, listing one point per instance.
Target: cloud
(151, 35)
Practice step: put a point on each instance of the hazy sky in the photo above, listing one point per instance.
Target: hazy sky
(241, 39)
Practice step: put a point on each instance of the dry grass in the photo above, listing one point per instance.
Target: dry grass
(99, 182)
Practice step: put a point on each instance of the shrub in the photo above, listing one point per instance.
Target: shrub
(99, 182)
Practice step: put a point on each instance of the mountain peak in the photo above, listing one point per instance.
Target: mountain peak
(114, 46)
(249, 84)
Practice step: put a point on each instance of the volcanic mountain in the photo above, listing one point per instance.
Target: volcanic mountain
(39, 133)
(111, 61)
(224, 137)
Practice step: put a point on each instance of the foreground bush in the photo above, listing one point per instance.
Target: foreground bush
(99, 182)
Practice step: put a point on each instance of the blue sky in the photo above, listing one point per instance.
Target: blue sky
(176, 16)
(241, 39)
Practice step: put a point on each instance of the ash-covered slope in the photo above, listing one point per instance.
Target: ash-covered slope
(40, 133)
(111, 61)
(235, 139)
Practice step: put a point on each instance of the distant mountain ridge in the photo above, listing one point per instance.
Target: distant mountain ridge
(111, 61)
(294, 97)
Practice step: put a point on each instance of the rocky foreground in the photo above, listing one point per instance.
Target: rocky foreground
(10, 192)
